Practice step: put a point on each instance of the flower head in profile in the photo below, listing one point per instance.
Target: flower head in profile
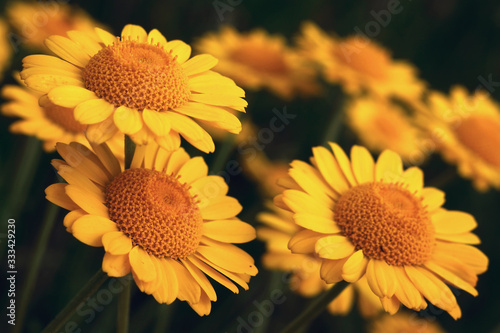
(305, 268)
(139, 84)
(257, 60)
(48, 122)
(36, 21)
(359, 64)
(373, 219)
(163, 220)
(381, 124)
(404, 322)
(466, 130)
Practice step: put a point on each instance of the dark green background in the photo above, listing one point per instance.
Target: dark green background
(451, 42)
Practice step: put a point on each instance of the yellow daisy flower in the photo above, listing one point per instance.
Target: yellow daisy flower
(359, 64)
(35, 21)
(404, 322)
(163, 219)
(138, 84)
(466, 130)
(257, 60)
(305, 268)
(363, 218)
(48, 122)
(381, 124)
(5, 47)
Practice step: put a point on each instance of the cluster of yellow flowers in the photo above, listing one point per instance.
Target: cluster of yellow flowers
(170, 224)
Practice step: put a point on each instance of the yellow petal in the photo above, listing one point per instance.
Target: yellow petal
(89, 229)
(433, 198)
(344, 163)
(202, 280)
(414, 177)
(156, 121)
(191, 131)
(189, 289)
(229, 257)
(179, 49)
(451, 278)
(300, 202)
(93, 111)
(70, 96)
(316, 223)
(330, 170)
(331, 270)
(355, 267)
(134, 32)
(304, 241)
(36, 60)
(44, 83)
(67, 49)
(105, 37)
(311, 181)
(71, 217)
(199, 64)
(453, 222)
(406, 292)
(155, 37)
(87, 201)
(213, 274)
(221, 208)
(84, 42)
(127, 120)
(362, 164)
(193, 169)
(229, 231)
(389, 167)
(56, 194)
(101, 132)
(334, 247)
(116, 243)
(115, 265)
(231, 101)
(381, 278)
(142, 265)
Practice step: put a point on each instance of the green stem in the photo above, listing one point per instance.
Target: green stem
(23, 178)
(129, 151)
(334, 128)
(122, 319)
(88, 290)
(40, 247)
(165, 313)
(316, 307)
(223, 153)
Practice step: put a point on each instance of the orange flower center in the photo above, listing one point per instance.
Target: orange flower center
(261, 57)
(137, 75)
(156, 212)
(481, 134)
(364, 56)
(387, 222)
(63, 117)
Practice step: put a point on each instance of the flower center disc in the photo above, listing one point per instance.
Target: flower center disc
(387, 222)
(481, 134)
(63, 117)
(260, 57)
(156, 212)
(364, 56)
(137, 75)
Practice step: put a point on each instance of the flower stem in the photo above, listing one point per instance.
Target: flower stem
(129, 151)
(223, 153)
(122, 319)
(316, 307)
(21, 183)
(88, 290)
(40, 247)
